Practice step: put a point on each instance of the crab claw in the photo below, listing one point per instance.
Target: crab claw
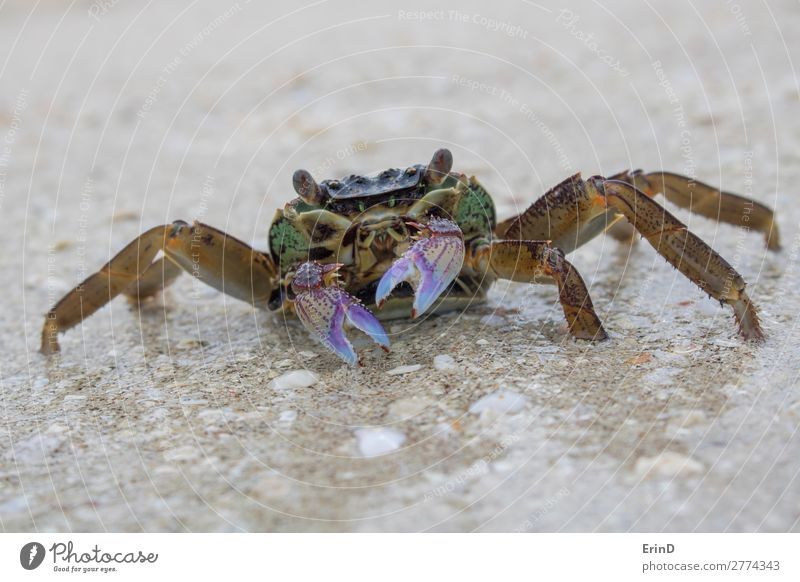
(429, 266)
(323, 311)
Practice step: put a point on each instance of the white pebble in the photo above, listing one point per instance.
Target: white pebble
(294, 379)
(186, 453)
(74, 397)
(693, 418)
(502, 401)
(408, 407)
(482, 342)
(379, 441)
(404, 370)
(444, 362)
(288, 416)
(727, 343)
(667, 464)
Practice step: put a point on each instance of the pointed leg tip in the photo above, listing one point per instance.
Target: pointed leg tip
(772, 238)
(746, 315)
(49, 346)
(597, 336)
(754, 336)
(47, 350)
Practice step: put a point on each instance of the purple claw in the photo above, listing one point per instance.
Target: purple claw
(323, 310)
(430, 265)
(361, 318)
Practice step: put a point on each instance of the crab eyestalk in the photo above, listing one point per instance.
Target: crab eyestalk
(429, 266)
(322, 306)
(307, 188)
(439, 168)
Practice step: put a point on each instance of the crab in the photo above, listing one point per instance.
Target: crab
(424, 239)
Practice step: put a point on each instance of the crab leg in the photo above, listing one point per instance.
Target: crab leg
(218, 259)
(159, 275)
(538, 262)
(429, 265)
(567, 215)
(681, 248)
(323, 307)
(707, 201)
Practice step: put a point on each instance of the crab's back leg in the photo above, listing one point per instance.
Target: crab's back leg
(707, 201)
(539, 262)
(212, 256)
(160, 274)
(681, 248)
(566, 215)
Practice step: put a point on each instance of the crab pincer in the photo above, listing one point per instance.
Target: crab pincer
(429, 265)
(322, 306)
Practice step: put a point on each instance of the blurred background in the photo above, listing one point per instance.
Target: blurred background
(116, 116)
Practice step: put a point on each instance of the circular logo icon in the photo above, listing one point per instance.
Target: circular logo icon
(31, 555)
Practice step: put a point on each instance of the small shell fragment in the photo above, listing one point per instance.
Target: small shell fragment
(404, 370)
(379, 441)
(502, 401)
(444, 362)
(294, 379)
(667, 464)
(287, 416)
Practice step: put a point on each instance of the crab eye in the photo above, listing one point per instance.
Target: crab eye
(307, 188)
(439, 168)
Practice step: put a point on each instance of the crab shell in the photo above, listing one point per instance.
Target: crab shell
(366, 223)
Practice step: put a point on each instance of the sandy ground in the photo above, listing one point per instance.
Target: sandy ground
(116, 117)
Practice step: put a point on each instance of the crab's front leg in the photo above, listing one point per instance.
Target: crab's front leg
(529, 261)
(429, 265)
(323, 307)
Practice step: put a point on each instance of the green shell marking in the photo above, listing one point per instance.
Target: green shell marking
(475, 213)
(288, 245)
